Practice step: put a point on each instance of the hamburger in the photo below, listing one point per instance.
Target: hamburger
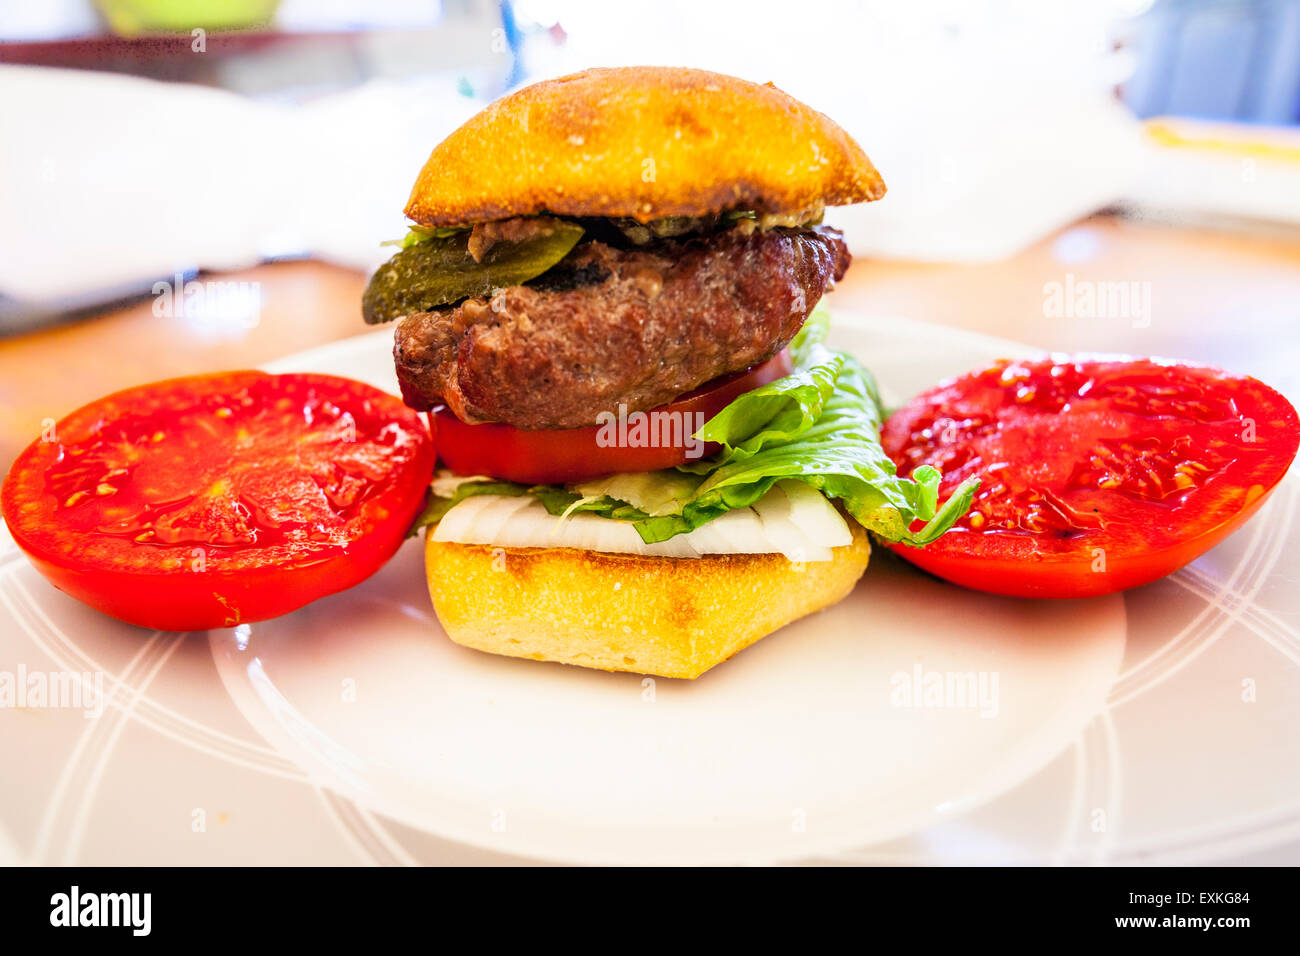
(609, 303)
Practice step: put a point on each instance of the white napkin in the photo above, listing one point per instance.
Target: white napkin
(108, 180)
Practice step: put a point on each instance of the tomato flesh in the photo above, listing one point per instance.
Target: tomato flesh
(1097, 473)
(559, 456)
(221, 499)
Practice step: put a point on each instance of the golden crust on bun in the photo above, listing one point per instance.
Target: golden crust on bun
(672, 617)
(644, 143)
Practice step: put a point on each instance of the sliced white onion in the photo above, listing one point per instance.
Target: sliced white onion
(731, 533)
(815, 515)
(802, 526)
(493, 518)
(459, 521)
(774, 510)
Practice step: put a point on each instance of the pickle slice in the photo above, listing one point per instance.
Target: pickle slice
(440, 271)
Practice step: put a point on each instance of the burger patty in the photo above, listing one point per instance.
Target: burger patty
(610, 326)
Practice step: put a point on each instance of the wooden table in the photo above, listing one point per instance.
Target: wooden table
(1222, 298)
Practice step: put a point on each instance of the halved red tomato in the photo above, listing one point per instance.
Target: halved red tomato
(219, 499)
(565, 455)
(1098, 473)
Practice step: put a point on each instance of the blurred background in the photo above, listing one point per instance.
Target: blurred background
(1030, 148)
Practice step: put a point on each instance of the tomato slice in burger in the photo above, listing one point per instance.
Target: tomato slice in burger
(637, 441)
(1098, 474)
(220, 499)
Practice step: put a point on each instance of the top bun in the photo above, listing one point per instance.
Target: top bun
(644, 143)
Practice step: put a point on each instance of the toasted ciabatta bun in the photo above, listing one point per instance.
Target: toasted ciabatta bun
(644, 143)
(672, 617)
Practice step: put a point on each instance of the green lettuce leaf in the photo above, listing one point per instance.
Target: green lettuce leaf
(653, 493)
(449, 490)
(418, 234)
(782, 410)
(839, 454)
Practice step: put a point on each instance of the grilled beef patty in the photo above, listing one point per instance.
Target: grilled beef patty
(608, 325)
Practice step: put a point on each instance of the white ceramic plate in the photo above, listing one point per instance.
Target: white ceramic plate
(1159, 726)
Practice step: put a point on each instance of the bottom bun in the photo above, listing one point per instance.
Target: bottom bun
(672, 617)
